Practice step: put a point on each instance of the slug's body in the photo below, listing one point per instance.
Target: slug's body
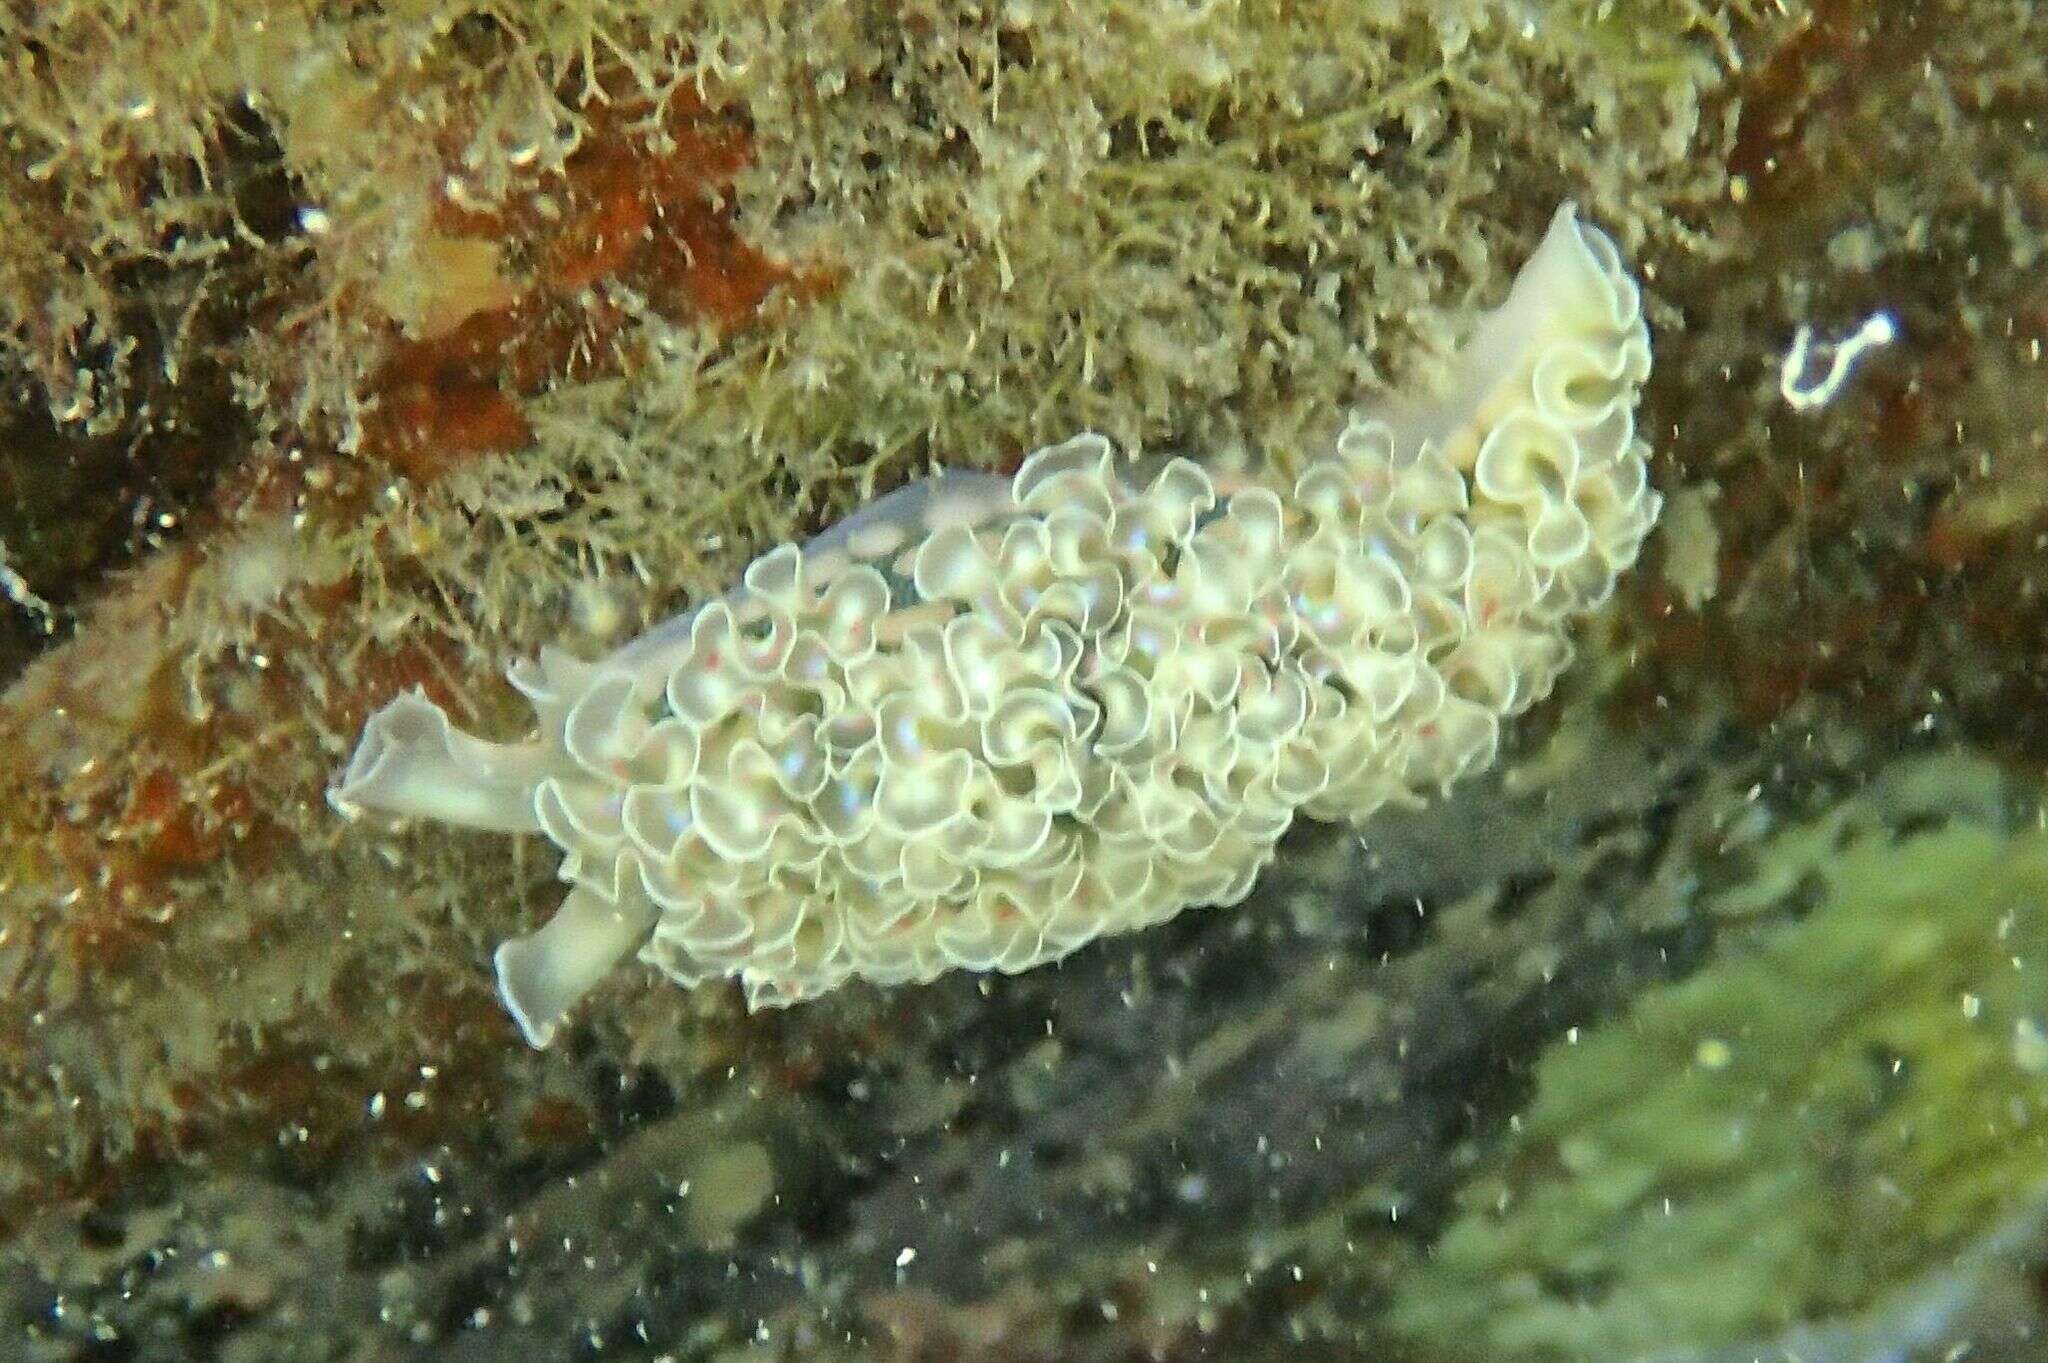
(985, 721)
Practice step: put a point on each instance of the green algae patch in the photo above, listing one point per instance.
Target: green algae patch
(1834, 1110)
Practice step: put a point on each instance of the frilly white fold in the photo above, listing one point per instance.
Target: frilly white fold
(983, 721)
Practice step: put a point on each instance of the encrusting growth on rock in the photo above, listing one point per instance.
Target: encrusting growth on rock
(984, 721)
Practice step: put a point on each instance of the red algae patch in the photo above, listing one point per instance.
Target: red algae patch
(638, 212)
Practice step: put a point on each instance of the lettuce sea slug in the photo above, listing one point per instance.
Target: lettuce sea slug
(984, 720)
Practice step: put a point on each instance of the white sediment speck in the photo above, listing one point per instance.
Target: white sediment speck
(1878, 330)
(17, 590)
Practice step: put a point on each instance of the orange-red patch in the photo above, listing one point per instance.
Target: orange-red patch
(638, 205)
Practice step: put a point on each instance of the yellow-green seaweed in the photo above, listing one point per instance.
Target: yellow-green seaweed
(1834, 1109)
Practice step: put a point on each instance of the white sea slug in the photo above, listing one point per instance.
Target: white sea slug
(984, 721)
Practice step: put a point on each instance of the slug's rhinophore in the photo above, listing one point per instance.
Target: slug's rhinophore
(984, 721)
